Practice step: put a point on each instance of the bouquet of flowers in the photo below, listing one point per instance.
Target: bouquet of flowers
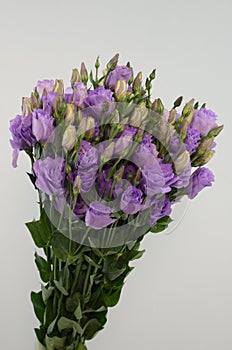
(108, 163)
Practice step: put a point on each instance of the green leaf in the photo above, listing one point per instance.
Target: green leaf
(81, 347)
(61, 288)
(72, 302)
(43, 268)
(161, 224)
(136, 254)
(78, 312)
(40, 230)
(91, 328)
(52, 325)
(39, 307)
(112, 299)
(55, 343)
(91, 262)
(61, 246)
(65, 323)
(46, 293)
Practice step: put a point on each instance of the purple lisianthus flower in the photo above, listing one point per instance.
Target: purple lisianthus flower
(125, 139)
(22, 136)
(48, 102)
(160, 208)
(203, 121)
(50, 174)
(192, 140)
(80, 207)
(98, 215)
(99, 101)
(119, 73)
(201, 178)
(105, 184)
(79, 94)
(68, 95)
(43, 126)
(166, 114)
(183, 179)
(47, 85)
(131, 200)
(153, 181)
(87, 165)
(168, 173)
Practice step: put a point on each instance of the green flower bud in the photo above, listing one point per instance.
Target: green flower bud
(148, 84)
(107, 153)
(138, 177)
(119, 173)
(182, 162)
(158, 106)
(216, 131)
(70, 113)
(77, 184)
(116, 117)
(204, 146)
(136, 86)
(205, 158)
(84, 74)
(90, 128)
(139, 135)
(120, 90)
(153, 74)
(97, 63)
(26, 107)
(59, 87)
(138, 115)
(59, 107)
(178, 102)
(69, 138)
(184, 130)
(172, 116)
(34, 101)
(111, 65)
(75, 77)
(188, 108)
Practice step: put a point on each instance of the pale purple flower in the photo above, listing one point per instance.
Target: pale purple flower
(22, 136)
(98, 215)
(80, 207)
(50, 174)
(203, 121)
(43, 126)
(119, 73)
(192, 140)
(87, 165)
(68, 95)
(161, 207)
(131, 200)
(166, 114)
(153, 181)
(47, 85)
(79, 94)
(201, 178)
(99, 101)
(48, 102)
(183, 179)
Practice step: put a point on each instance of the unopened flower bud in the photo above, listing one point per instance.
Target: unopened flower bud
(178, 102)
(188, 108)
(59, 87)
(111, 65)
(139, 135)
(120, 90)
(136, 86)
(70, 113)
(138, 177)
(153, 74)
(205, 158)
(69, 138)
(75, 77)
(184, 130)
(216, 131)
(84, 73)
(26, 107)
(97, 63)
(205, 146)
(90, 128)
(107, 153)
(77, 184)
(34, 101)
(148, 84)
(158, 106)
(116, 117)
(58, 106)
(172, 116)
(182, 162)
(138, 115)
(119, 173)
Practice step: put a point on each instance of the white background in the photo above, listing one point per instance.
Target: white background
(180, 294)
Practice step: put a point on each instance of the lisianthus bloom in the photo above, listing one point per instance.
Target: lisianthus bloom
(119, 73)
(192, 140)
(87, 165)
(160, 207)
(203, 121)
(47, 85)
(98, 215)
(43, 126)
(23, 138)
(100, 101)
(131, 200)
(50, 175)
(201, 178)
(48, 102)
(79, 94)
